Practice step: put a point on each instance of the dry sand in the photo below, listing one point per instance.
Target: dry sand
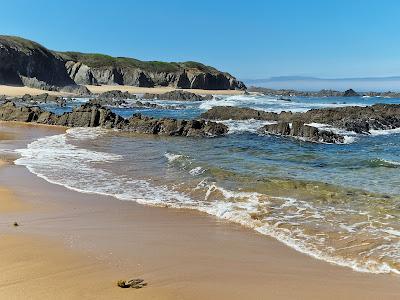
(15, 91)
(85, 242)
(156, 90)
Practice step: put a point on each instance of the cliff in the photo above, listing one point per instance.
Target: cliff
(23, 62)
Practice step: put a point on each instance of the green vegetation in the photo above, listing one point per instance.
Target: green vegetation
(100, 60)
(21, 44)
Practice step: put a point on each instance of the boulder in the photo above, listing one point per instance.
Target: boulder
(350, 93)
(178, 95)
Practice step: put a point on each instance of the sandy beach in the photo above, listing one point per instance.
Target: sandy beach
(71, 245)
(17, 91)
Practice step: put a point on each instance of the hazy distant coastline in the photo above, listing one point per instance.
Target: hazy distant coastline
(303, 83)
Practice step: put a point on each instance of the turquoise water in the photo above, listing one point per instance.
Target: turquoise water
(338, 203)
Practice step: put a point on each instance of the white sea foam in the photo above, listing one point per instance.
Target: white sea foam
(196, 171)
(172, 157)
(349, 137)
(272, 104)
(240, 126)
(385, 132)
(58, 160)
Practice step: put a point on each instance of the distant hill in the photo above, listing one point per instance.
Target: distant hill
(315, 84)
(24, 62)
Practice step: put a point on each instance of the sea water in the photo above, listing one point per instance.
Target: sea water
(338, 203)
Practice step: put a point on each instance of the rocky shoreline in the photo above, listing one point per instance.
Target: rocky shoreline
(94, 115)
(321, 93)
(354, 118)
(27, 63)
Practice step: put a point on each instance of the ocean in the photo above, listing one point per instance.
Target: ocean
(337, 203)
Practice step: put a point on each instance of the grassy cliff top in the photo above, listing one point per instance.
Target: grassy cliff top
(102, 60)
(21, 44)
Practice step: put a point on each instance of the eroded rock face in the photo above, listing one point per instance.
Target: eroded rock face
(25, 62)
(185, 79)
(76, 89)
(116, 95)
(301, 130)
(355, 118)
(178, 96)
(94, 115)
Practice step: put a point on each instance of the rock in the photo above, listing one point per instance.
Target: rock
(15, 224)
(139, 104)
(178, 95)
(109, 102)
(133, 283)
(301, 130)
(42, 98)
(350, 93)
(353, 118)
(79, 90)
(89, 115)
(26, 62)
(238, 113)
(95, 115)
(116, 95)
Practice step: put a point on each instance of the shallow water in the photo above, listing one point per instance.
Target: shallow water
(339, 203)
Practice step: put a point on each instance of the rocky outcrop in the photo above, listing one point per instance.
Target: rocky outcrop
(304, 131)
(178, 96)
(321, 93)
(24, 62)
(79, 90)
(42, 98)
(350, 93)
(238, 113)
(97, 69)
(116, 95)
(91, 115)
(140, 104)
(354, 118)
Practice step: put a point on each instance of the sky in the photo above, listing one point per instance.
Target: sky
(249, 39)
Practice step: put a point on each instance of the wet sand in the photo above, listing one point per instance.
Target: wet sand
(74, 245)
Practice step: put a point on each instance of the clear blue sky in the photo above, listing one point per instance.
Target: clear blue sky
(250, 39)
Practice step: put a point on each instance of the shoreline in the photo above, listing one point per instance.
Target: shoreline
(180, 253)
(18, 91)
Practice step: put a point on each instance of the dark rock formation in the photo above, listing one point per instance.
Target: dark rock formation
(139, 104)
(102, 69)
(301, 130)
(321, 93)
(91, 115)
(178, 96)
(350, 93)
(116, 95)
(79, 90)
(239, 113)
(42, 98)
(23, 62)
(354, 118)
